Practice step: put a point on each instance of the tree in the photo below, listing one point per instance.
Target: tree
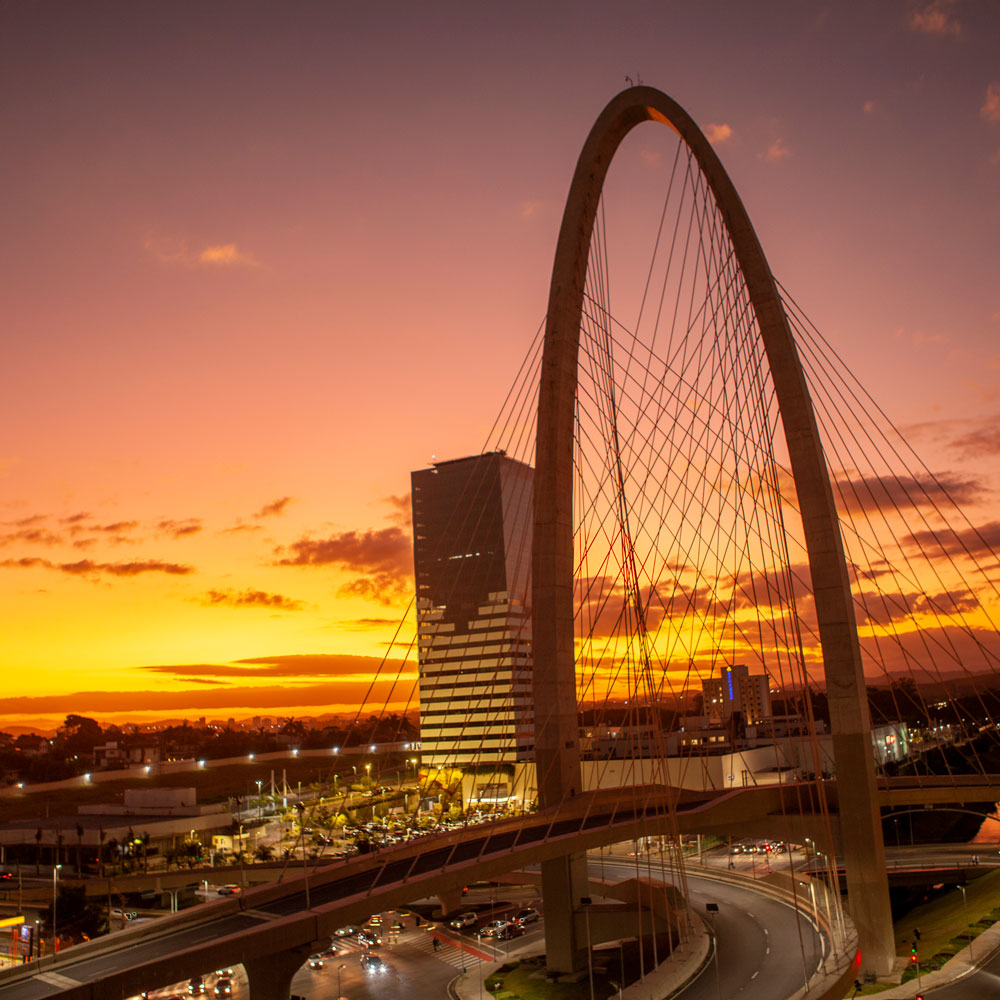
(76, 917)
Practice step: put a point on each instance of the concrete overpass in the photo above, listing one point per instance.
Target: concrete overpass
(271, 929)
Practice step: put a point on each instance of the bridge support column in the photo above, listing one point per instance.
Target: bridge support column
(271, 977)
(564, 884)
(450, 901)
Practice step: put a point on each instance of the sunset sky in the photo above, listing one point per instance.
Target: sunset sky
(261, 260)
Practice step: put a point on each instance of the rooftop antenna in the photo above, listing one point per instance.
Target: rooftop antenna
(628, 80)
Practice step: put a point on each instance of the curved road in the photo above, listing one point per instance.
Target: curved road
(758, 937)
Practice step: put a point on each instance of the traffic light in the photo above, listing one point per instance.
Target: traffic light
(913, 953)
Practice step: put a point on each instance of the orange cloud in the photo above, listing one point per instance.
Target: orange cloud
(275, 507)
(935, 19)
(776, 152)
(402, 509)
(176, 251)
(990, 111)
(384, 559)
(178, 529)
(227, 254)
(252, 599)
(716, 133)
(87, 567)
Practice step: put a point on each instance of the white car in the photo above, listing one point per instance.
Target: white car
(463, 920)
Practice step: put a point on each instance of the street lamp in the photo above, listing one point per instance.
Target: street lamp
(585, 902)
(712, 909)
(965, 914)
(259, 814)
(55, 936)
(339, 968)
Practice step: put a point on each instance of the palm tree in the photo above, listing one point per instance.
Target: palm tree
(113, 851)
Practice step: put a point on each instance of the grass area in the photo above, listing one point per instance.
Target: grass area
(946, 924)
(527, 981)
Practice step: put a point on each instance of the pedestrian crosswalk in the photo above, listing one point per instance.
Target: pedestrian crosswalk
(449, 950)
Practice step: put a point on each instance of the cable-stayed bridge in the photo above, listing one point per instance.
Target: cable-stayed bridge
(698, 492)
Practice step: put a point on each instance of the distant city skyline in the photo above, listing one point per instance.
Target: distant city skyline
(238, 251)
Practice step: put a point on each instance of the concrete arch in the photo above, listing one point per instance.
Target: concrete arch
(556, 737)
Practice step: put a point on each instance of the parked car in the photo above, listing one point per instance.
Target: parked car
(466, 919)
(526, 916)
(230, 890)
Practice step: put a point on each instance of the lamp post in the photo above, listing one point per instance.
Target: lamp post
(339, 968)
(713, 909)
(965, 914)
(585, 902)
(259, 813)
(55, 880)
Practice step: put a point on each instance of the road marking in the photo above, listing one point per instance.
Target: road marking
(767, 950)
(261, 914)
(55, 979)
(750, 915)
(756, 974)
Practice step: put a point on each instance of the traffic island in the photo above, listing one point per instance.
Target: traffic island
(618, 971)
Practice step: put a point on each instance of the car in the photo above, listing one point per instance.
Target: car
(316, 961)
(466, 919)
(329, 951)
(224, 987)
(226, 973)
(196, 987)
(508, 931)
(349, 931)
(368, 939)
(372, 964)
(230, 890)
(492, 928)
(375, 920)
(526, 916)
(6, 875)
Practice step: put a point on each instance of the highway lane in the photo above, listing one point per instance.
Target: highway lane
(758, 937)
